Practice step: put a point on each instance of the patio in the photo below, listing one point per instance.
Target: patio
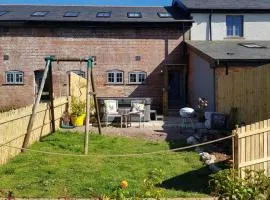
(166, 129)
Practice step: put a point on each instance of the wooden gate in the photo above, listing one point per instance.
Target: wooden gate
(251, 147)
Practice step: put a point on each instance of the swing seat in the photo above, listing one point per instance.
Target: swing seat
(65, 126)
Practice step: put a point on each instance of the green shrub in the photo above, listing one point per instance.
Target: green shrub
(77, 106)
(154, 178)
(227, 184)
(149, 188)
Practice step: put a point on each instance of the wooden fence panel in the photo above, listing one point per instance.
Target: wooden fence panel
(252, 147)
(247, 90)
(13, 126)
(77, 86)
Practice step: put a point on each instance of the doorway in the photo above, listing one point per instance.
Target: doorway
(174, 96)
(38, 78)
(174, 90)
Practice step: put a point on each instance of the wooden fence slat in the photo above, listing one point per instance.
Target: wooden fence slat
(254, 132)
(248, 145)
(254, 162)
(265, 147)
(243, 150)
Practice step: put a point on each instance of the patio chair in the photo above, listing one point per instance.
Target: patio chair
(137, 109)
(111, 110)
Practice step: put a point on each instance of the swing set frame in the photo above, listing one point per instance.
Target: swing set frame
(48, 71)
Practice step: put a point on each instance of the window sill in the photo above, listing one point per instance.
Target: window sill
(114, 84)
(234, 38)
(13, 84)
(136, 84)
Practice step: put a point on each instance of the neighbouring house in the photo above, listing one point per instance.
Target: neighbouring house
(229, 19)
(229, 56)
(139, 51)
(231, 74)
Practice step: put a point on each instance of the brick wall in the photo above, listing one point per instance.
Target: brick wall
(114, 48)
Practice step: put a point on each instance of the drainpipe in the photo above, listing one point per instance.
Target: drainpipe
(210, 25)
(187, 64)
(214, 83)
(184, 40)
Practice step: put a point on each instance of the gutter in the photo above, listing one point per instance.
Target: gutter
(228, 11)
(13, 23)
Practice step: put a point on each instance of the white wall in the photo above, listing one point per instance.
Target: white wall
(256, 26)
(201, 81)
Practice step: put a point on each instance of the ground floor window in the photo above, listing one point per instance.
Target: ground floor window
(115, 77)
(14, 77)
(137, 77)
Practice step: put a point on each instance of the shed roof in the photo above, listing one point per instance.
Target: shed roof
(88, 14)
(232, 50)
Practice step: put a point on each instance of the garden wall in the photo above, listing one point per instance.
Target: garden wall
(13, 126)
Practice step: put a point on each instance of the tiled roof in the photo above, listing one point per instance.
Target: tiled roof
(227, 4)
(89, 13)
(232, 50)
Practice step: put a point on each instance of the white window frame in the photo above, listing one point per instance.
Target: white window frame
(137, 74)
(14, 74)
(115, 73)
(134, 14)
(234, 34)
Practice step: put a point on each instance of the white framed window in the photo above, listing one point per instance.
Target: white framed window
(115, 77)
(234, 24)
(134, 14)
(14, 77)
(136, 77)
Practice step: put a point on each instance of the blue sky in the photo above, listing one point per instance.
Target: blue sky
(92, 2)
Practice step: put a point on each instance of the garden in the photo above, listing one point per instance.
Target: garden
(100, 174)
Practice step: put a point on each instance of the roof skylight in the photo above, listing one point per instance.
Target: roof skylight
(39, 13)
(71, 14)
(164, 15)
(134, 14)
(3, 12)
(251, 45)
(103, 14)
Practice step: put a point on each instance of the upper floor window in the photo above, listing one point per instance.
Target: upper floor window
(103, 14)
(14, 77)
(134, 14)
(115, 77)
(39, 13)
(136, 77)
(164, 15)
(3, 12)
(234, 24)
(71, 14)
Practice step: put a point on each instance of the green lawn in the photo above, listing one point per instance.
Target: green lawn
(39, 175)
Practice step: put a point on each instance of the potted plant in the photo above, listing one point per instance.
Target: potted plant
(202, 104)
(77, 112)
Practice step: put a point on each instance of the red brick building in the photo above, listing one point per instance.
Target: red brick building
(139, 50)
